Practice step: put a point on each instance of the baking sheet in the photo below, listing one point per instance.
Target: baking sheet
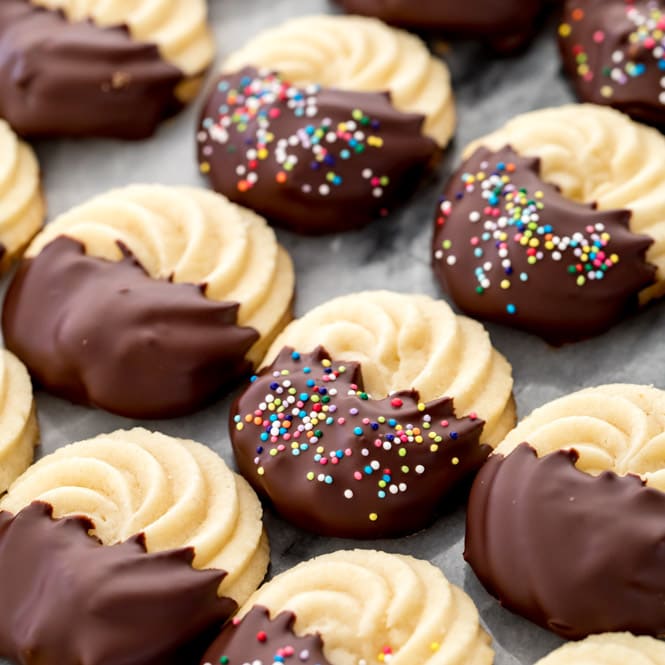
(394, 254)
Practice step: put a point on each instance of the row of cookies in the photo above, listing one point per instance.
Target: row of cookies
(568, 538)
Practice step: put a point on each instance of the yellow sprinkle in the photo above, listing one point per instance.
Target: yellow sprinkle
(505, 284)
(606, 91)
(405, 469)
(273, 452)
(433, 448)
(240, 427)
(455, 461)
(614, 258)
(326, 363)
(435, 646)
(581, 280)
(205, 167)
(260, 471)
(373, 517)
(320, 450)
(421, 406)
(262, 153)
(583, 70)
(565, 30)
(310, 475)
(534, 242)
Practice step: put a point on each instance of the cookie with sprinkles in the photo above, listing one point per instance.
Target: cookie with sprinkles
(260, 640)
(614, 54)
(335, 461)
(356, 607)
(510, 248)
(313, 159)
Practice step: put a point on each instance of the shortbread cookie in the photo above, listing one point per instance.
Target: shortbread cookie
(191, 290)
(99, 68)
(179, 493)
(509, 247)
(504, 25)
(68, 600)
(22, 207)
(613, 52)
(609, 649)
(597, 155)
(372, 413)
(324, 123)
(19, 432)
(566, 519)
(366, 607)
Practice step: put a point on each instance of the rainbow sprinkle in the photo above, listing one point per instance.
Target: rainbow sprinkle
(648, 36)
(510, 220)
(246, 124)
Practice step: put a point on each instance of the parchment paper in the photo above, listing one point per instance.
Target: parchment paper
(394, 254)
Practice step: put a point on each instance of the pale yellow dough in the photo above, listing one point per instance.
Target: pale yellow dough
(609, 649)
(361, 601)
(619, 427)
(360, 54)
(19, 432)
(412, 341)
(178, 492)
(597, 154)
(178, 27)
(194, 236)
(22, 206)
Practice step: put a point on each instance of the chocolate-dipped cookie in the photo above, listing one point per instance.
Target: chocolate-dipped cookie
(567, 528)
(324, 123)
(505, 24)
(360, 607)
(335, 461)
(66, 599)
(509, 247)
(614, 54)
(191, 289)
(314, 160)
(597, 155)
(176, 492)
(99, 68)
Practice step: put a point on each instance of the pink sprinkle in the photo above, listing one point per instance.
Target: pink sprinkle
(378, 443)
(649, 42)
(444, 423)
(323, 461)
(334, 460)
(281, 447)
(286, 437)
(341, 421)
(348, 452)
(599, 36)
(357, 475)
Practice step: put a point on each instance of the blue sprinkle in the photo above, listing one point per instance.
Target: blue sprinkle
(259, 449)
(511, 309)
(295, 355)
(306, 370)
(263, 437)
(358, 431)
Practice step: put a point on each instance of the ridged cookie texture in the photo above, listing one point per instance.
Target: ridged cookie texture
(609, 649)
(597, 154)
(361, 54)
(565, 520)
(177, 492)
(189, 235)
(191, 288)
(22, 206)
(406, 342)
(368, 605)
(19, 432)
(178, 27)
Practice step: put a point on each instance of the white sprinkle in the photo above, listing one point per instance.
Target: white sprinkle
(420, 469)
(348, 494)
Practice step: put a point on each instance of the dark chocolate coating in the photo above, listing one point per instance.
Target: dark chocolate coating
(521, 254)
(256, 637)
(574, 553)
(105, 333)
(506, 24)
(69, 600)
(612, 50)
(61, 78)
(397, 457)
(376, 156)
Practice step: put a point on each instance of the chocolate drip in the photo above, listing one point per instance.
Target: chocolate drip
(257, 639)
(574, 553)
(612, 51)
(506, 24)
(107, 334)
(339, 463)
(314, 160)
(67, 599)
(509, 248)
(76, 79)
